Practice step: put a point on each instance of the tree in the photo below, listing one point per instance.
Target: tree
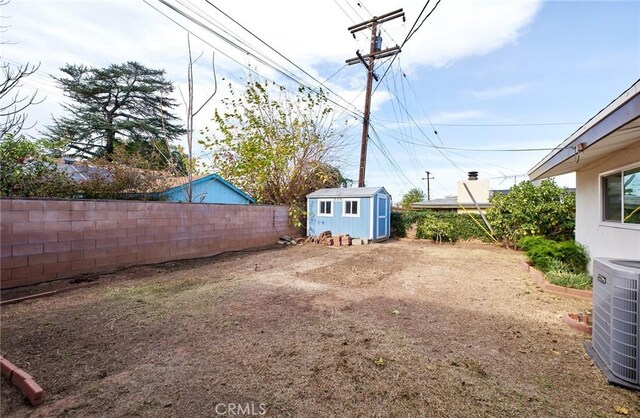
(277, 149)
(546, 210)
(412, 196)
(125, 105)
(27, 171)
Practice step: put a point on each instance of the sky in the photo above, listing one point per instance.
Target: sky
(484, 75)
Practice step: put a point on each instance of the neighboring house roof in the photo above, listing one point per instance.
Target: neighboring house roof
(614, 128)
(348, 192)
(448, 203)
(211, 177)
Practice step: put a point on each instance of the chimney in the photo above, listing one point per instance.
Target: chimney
(473, 175)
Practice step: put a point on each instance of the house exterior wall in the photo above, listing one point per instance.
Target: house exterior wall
(604, 239)
(479, 189)
(209, 191)
(357, 227)
(43, 240)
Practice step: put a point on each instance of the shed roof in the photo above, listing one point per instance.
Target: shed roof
(348, 192)
(614, 128)
(214, 177)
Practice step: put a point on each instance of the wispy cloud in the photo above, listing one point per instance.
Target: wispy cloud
(496, 92)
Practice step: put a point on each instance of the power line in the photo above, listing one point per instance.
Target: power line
(244, 50)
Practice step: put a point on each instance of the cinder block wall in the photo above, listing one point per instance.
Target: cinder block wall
(44, 240)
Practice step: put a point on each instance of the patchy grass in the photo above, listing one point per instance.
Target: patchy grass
(395, 329)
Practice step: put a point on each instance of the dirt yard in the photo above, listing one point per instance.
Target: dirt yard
(401, 328)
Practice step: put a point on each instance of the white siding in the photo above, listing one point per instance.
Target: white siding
(604, 239)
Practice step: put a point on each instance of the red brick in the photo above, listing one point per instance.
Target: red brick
(107, 224)
(71, 255)
(126, 223)
(70, 236)
(57, 205)
(95, 253)
(51, 270)
(95, 215)
(83, 205)
(116, 233)
(27, 249)
(29, 272)
(108, 206)
(126, 240)
(11, 262)
(43, 259)
(83, 264)
(57, 247)
(93, 234)
(106, 242)
(37, 237)
(116, 215)
(15, 216)
(68, 215)
(40, 215)
(82, 225)
(107, 261)
(83, 244)
(6, 367)
(10, 239)
(28, 227)
(57, 226)
(126, 258)
(8, 284)
(32, 391)
(19, 376)
(19, 204)
(136, 232)
(5, 251)
(5, 204)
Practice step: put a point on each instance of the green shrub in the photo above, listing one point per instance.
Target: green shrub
(548, 255)
(398, 225)
(546, 210)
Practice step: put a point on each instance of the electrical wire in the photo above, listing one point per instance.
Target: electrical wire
(246, 51)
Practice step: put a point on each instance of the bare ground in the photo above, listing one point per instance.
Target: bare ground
(396, 329)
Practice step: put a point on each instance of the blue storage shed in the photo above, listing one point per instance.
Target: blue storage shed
(361, 212)
(209, 189)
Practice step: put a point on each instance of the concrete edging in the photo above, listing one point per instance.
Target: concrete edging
(548, 287)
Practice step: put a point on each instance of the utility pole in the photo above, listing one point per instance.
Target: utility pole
(375, 52)
(427, 179)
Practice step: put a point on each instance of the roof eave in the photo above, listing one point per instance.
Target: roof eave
(621, 111)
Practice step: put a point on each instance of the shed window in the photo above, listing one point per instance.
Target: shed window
(325, 207)
(621, 196)
(351, 207)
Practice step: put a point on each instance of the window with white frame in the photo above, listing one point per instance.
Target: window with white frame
(325, 208)
(351, 207)
(621, 196)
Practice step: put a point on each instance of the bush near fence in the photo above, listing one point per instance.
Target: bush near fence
(439, 226)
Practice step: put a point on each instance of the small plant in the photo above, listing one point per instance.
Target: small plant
(564, 263)
(560, 275)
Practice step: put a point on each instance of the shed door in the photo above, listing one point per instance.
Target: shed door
(383, 214)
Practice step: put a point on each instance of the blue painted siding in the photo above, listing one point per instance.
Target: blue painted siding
(357, 227)
(368, 224)
(208, 191)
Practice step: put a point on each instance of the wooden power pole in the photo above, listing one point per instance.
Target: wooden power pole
(428, 185)
(375, 52)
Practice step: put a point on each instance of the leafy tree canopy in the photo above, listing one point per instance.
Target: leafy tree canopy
(546, 210)
(412, 196)
(277, 149)
(123, 105)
